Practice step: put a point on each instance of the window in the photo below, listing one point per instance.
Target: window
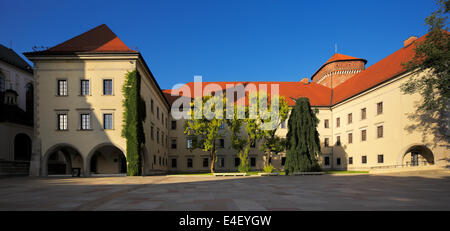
(162, 138)
(283, 124)
(338, 161)
(62, 87)
(283, 161)
(222, 126)
(221, 143)
(189, 162)
(363, 114)
(154, 160)
(205, 162)
(350, 138)
(84, 87)
(62, 122)
(108, 121)
(349, 118)
(85, 121)
(253, 162)
(107, 87)
(221, 162)
(363, 135)
(350, 160)
(160, 161)
(379, 108)
(327, 123)
(253, 144)
(157, 136)
(174, 162)
(174, 124)
(380, 159)
(173, 143)
(152, 133)
(237, 162)
(327, 142)
(327, 160)
(338, 122)
(157, 112)
(189, 143)
(151, 105)
(380, 131)
(338, 140)
(364, 159)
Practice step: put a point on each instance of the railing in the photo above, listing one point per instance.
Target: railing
(407, 164)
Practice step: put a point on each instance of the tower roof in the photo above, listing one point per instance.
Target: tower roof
(338, 58)
(98, 40)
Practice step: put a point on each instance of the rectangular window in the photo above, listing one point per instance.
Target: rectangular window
(189, 143)
(253, 144)
(327, 160)
(338, 140)
(326, 123)
(380, 131)
(380, 159)
(174, 124)
(151, 106)
(160, 161)
(189, 163)
(85, 121)
(283, 124)
(253, 162)
(338, 161)
(222, 126)
(221, 162)
(84, 87)
(174, 162)
(205, 162)
(283, 161)
(162, 138)
(327, 142)
(364, 159)
(338, 122)
(379, 108)
(157, 112)
(62, 122)
(157, 136)
(363, 114)
(349, 118)
(350, 138)
(152, 133)
(363, 135)
(350, 160)
(237, 162)
(108, 121)
(173, 144)
(107, 87)
(221, 143)
(62, 87)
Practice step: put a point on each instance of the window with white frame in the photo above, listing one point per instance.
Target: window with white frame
(107, 87)
(84, 90)
(62, 87)
(62, 122)
(108, 121)
(85, 121)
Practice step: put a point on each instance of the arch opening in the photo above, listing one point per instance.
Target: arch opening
(418, 155)
(108, 159)
(62, 160)
(22, 147)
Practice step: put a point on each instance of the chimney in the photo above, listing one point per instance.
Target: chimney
(409, 41)
(304, 80)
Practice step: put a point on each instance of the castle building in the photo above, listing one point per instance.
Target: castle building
(78, 113)
(16, 113)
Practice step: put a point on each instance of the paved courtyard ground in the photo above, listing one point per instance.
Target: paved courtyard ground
(426, 190)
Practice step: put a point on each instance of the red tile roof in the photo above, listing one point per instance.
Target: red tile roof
(338, 58)
(98, 40)
(379, 72)
(318, 95)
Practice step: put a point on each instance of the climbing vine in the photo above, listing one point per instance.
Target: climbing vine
(133, 118)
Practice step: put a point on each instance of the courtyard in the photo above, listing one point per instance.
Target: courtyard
(422, 190)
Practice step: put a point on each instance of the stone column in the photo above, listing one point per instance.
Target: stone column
(35, 162)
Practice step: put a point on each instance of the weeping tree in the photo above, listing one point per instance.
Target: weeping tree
(303, 144)
(133, 118)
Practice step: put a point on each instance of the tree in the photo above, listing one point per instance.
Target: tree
(240, 143)
(204, 125)
(303, 144)
(133, 118)
(432, 61)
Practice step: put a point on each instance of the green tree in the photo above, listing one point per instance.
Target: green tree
(432, 61)
(239, 142)
(204, 128)
(303, 144)
(133, 118)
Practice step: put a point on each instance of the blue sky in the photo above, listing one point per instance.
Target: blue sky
(225, 40)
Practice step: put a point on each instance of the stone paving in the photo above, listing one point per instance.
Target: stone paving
(427, 190)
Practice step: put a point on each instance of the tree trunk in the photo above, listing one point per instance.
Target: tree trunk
(267, 158)
(212, 157)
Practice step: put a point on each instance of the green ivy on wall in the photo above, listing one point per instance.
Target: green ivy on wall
(133, 118)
